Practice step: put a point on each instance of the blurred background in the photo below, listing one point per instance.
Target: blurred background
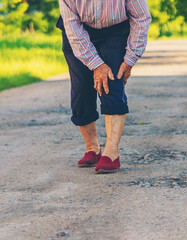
(30, 44)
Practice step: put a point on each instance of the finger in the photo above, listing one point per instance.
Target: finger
(95, 85)
(105, 85)
(125, 80)
(99, 88)
(110, 75)
(125, 77)
(120, 72)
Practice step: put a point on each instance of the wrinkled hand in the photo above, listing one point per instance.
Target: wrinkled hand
(101, 75)
(124, 71)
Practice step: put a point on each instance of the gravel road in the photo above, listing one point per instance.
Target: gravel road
(44, 195)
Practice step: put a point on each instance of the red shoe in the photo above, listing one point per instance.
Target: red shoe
(106, 165)
(90, 159)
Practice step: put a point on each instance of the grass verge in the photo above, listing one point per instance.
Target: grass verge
(29, 58)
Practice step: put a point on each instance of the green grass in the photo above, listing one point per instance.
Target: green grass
(175, 37)
(29, 58)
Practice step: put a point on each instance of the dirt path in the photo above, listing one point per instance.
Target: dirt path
(43, 192)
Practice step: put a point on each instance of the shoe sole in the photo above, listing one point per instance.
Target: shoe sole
(87, 165)
(107, 171)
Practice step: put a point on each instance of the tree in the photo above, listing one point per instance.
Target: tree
(181, 6)
(48, 9)
(11, 14)
(168, 17)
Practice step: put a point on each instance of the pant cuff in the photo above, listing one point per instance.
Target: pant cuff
(114, 109)
(77, 121)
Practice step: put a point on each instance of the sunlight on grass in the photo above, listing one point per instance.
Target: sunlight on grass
(29, 58)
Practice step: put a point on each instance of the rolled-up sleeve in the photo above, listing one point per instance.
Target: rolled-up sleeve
(140, 19)
(78, 37)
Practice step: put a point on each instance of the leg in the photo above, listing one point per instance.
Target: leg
(83, 98)
(83, 94)
(89, 134)
(114, 128)
(113, 105)
(93, 152)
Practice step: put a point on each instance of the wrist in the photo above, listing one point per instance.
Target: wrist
(128, 59)
(101, 65)
(128, 66)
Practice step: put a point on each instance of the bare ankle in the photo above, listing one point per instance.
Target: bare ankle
(111, 148)
(94, 148)
(111, 152)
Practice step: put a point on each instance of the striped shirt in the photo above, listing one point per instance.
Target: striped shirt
(100, 14)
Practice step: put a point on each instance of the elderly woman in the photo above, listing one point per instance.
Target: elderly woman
(102, 41)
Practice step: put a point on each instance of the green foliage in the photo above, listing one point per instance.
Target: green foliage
(181, 8)
(11, 15)
(21, 15)
(176, 26)
(168, 18)
(154, 31)
(41, 16)
(169, 7)
(48, 9)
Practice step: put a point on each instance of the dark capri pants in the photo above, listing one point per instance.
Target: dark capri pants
(110, 43)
